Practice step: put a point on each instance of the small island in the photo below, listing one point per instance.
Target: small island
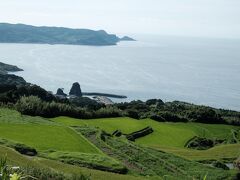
(126, 38)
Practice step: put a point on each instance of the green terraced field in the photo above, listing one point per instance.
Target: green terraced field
(165, 134)
(170, 137)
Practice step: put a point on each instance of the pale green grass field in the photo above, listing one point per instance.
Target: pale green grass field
(46, 137)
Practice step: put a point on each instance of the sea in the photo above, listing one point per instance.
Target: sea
(204, 71)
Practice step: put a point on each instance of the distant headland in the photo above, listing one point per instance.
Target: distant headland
(21, 33)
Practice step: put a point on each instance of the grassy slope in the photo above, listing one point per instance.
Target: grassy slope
(45, 137)
(20, 160)
(170, 137)
(41, 134)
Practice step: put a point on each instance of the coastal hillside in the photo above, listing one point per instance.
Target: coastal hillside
(77, 137)
(21, 33)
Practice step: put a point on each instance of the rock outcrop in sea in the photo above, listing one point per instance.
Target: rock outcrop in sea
(75, 90)
(60, 92)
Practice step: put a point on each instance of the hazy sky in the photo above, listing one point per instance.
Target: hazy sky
(215, 18)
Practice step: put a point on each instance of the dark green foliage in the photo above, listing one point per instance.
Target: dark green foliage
(177, 111)
(11, 93)
(171, 117)
(157, 102)
(157, 117)
(34, 90)
(205, 115)
(34, 106)
(134, 109)
(6, 87)
(117, 133)
(202, 143)
(132, 113)
(109, 111)
(85, 102)
(221, 165)
(137, 105)
(141, 133)
(23, 149)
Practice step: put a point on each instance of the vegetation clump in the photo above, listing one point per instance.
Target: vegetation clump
(23, 149)
(202, 143)
(221, 165)
(138, 134)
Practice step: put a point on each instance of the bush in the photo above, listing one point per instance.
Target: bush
(132, 113)
(157, 102)
(23, 149)
(85, 102)
(109, 111)
(171, 117)
(205, 115)
(157, 118)
(34, 106)
(221, 165)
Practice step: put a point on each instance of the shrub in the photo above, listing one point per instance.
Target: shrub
(86, 102)
(157, 102)
(221, 165)
(132, 113)
(109, 111)
(34, 106)
(205, 115)
(23, 149)
(171, 117)
(157, 117)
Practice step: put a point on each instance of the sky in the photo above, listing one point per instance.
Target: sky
(204, 18)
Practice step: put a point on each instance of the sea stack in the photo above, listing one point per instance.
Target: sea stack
(75, 90)
(60, 92)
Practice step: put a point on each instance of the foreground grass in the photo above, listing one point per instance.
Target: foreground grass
(17, 159)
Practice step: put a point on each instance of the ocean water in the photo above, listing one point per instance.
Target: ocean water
(197, 70)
